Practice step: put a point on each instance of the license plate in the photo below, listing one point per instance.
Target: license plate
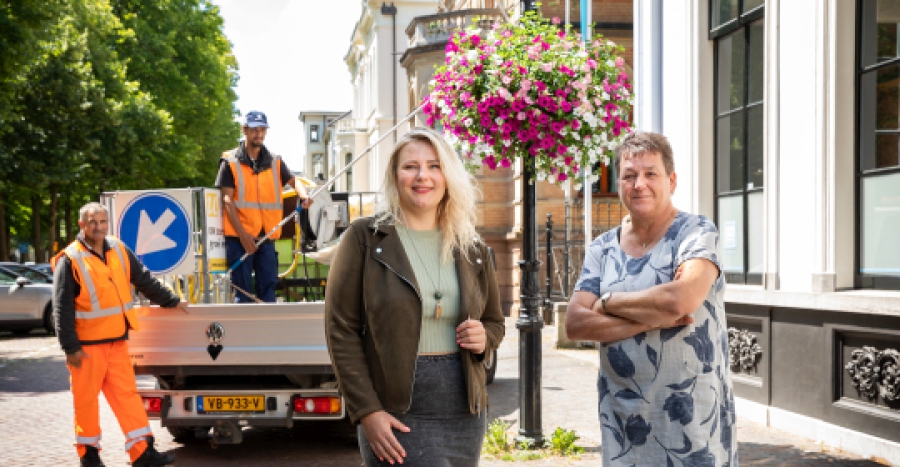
(207, 404)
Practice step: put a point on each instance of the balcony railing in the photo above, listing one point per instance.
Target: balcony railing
(433, 29)
(347, 124)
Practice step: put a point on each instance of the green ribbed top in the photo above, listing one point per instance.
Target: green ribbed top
(423, 248)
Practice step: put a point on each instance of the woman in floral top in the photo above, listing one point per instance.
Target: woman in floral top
(651, 292)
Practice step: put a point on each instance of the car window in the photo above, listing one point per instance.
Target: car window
(31, 274)
(7, 278)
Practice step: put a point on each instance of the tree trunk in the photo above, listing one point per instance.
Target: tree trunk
(70, 229)
(4, 231)
(36, 229)
(53, 234)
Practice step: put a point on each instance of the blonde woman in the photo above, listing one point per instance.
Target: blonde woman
(412, 309)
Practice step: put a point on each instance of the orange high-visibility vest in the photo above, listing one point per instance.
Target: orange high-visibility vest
(105, 291)
(257, 197)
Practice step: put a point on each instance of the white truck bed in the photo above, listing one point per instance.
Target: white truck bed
(260, 337)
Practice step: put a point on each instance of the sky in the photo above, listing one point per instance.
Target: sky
(290, 58)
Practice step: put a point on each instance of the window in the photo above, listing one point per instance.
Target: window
(318, 167)
(878, 160)
(347, 159)
(606, 184)
(314, 133)
(736, 27)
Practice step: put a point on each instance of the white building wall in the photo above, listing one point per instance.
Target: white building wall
(801, 148)
(675, 102)
(375, 86)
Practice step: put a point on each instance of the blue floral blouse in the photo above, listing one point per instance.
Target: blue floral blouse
(665, 396)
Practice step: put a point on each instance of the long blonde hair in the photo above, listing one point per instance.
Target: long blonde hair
(456, 211)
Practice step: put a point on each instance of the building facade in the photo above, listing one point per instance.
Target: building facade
(783, 116)
(319, 161)
(379, 101)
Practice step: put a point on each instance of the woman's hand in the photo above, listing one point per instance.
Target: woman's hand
(378, 427)
(470, 336)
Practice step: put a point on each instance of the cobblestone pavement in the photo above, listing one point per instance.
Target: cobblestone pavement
(36, 418)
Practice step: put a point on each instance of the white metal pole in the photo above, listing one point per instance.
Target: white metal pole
(586, 170)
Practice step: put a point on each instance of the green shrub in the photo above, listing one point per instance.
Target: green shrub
(562, 442)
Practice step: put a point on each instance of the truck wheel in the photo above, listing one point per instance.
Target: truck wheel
(490, 367)
(187, 433)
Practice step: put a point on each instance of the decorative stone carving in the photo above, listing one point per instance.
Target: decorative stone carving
(875, 373)
(889, 365)
(742, 349)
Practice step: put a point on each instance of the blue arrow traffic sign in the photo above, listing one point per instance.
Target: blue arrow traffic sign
(157, 229)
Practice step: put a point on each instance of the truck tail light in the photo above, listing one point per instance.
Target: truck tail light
(152, 404)
(323, 405)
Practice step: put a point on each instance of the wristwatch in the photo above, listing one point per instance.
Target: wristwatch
(605, 298)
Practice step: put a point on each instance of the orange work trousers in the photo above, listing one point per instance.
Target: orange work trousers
(107, 367)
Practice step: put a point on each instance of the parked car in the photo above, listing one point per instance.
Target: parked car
(24, 305)
(38, 277)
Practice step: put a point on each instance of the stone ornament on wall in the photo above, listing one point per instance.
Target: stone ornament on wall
(743, 349)
(875, 373)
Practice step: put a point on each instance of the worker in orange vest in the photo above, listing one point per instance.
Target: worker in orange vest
(251, 179)
(93, 309)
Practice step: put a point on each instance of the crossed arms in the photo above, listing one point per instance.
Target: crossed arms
(630, 313)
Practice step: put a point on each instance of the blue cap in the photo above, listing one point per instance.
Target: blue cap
(255, 119)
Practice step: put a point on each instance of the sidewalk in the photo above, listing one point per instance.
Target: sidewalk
(569, 400)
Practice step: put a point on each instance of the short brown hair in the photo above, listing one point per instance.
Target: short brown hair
(640, 142)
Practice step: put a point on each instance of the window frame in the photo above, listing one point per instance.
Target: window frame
(741, 24)
(860, 280)
(314, 135)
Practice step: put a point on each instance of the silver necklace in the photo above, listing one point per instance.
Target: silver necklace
(438, 309)
(644, 244)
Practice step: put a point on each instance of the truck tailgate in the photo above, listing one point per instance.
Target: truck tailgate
(277, 334)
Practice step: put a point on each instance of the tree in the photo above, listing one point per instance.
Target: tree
(101, 95)
(179, 54)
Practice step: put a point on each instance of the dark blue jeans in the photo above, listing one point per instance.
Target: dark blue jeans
(264, 262)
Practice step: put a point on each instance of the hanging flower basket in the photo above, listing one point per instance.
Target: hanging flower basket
(529, 89)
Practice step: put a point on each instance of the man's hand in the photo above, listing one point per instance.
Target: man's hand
(470, 336)
(378, 427)
(307, 202)
(248, 242)
(74, 359)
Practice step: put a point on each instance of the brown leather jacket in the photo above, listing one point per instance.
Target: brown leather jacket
(373, 316)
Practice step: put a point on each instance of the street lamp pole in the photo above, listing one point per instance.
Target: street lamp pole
(530, 321)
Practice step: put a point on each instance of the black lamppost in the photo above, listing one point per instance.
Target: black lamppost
(530, 321)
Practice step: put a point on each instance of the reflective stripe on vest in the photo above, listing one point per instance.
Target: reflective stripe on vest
(260, 212)
(101, 309)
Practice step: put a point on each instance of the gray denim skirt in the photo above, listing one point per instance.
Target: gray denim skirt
(443, 433)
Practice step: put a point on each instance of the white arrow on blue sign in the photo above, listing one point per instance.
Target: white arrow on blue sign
(157, 228)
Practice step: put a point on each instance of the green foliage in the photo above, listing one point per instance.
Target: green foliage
(495, 441)
(562, 442)
(100, 95)
(497, 444)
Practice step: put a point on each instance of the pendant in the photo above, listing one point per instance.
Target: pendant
(438, 309)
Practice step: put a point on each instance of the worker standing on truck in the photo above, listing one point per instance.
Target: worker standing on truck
(251, 179)
(93, 308)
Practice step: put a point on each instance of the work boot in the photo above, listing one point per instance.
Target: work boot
(91, 458)
(153, 457)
